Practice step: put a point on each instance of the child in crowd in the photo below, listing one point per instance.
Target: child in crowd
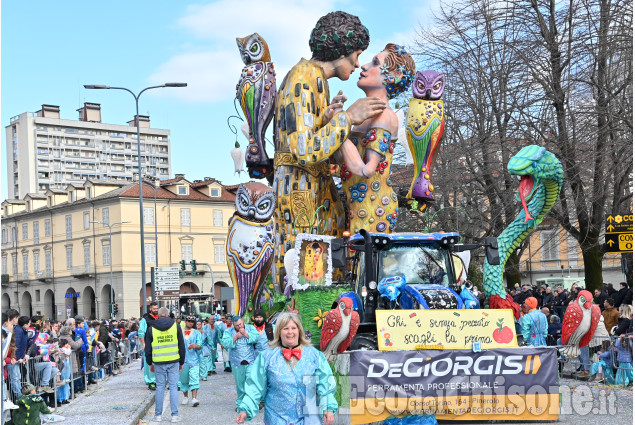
(624, 346)
(64, 390)
(602, 370)
(554, 330)
(30, 405)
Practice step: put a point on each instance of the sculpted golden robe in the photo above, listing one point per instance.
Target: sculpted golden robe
(304, 141)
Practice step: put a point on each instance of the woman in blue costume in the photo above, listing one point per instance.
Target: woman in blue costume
(287, 372)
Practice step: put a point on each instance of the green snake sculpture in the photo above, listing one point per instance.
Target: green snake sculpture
(541, 178)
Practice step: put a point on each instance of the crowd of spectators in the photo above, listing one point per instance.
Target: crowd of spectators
(611, 345)
(54, 361)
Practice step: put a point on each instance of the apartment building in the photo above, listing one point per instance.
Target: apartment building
(45, 152)
(58, 249)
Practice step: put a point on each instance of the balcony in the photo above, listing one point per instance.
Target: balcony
(22, 277)
(81, 272)
(44, 275)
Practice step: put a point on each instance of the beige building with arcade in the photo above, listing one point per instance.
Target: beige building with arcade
(57, 251)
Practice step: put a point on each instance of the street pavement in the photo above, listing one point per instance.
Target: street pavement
(217, 396)
(120, 399)
(125, 399)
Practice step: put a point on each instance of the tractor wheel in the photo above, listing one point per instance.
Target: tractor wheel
(364, 342)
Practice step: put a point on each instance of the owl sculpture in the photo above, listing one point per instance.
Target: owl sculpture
(250, 244)
(256, 91)
(424, 129)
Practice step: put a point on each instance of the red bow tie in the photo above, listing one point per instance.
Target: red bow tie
(290, 352)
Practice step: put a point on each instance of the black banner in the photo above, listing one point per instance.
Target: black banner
(505, 382)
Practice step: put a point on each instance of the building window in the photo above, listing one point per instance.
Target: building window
(86, 220)
(47, 227)
(218, 218)
(105, 217)
(182, 190)
(4, 236)
(4, 265)
(87, 256)
(150, 252)
(185, 217)
(69, 227)
(36, 232)
(186, 252)
(25, 265)
(25, 231)
(148, 216)
(48, 262)
(106, 254)
(69, 257)
(14, 234)
(36, 262)
(219, 254)
(14, 264)
(549, 242)
(215, 193)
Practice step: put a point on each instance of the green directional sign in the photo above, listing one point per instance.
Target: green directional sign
(619, 233)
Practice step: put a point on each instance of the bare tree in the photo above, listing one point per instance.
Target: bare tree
(558, 74)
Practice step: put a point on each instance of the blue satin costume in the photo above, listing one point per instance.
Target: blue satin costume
(297, 396)
(241, 356)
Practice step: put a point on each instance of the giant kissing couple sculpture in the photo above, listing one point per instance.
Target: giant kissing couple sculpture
(288, 230)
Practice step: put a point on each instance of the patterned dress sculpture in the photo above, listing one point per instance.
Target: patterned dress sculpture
(256, 91)
(541, 177)
(424, 129)
(250, 244)
(371, 199)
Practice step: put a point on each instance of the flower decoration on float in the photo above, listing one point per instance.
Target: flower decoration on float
(321, 315)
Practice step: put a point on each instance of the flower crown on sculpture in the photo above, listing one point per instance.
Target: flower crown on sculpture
(395, 85)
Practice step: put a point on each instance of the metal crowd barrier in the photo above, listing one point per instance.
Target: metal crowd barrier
(58, 375)
(573, 365)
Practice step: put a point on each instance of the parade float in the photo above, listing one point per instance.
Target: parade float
(405, 337)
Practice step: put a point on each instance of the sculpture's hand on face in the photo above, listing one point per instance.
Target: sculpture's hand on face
(365, 108)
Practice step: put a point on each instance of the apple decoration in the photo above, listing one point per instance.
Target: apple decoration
(503, 334)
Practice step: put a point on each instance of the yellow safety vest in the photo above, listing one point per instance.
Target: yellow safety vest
(165, 345)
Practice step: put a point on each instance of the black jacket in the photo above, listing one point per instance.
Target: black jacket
(560, 299)
(163, 324)
(548, 300)
(622, 297)
(622, 326)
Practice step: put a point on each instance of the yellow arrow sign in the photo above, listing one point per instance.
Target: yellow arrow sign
(610, 219)
(610, 243)
(610, 227)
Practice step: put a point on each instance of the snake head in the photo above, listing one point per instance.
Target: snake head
(525, 164)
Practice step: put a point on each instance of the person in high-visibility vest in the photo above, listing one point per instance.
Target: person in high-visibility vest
(165, 354)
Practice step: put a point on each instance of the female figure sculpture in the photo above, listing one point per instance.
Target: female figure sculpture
(368, 151)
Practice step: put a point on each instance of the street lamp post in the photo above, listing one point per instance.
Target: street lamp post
(156, 233)
(112, 290)
(142, 236)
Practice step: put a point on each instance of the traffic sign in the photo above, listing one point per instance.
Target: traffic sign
(619, 233)
(166, 283)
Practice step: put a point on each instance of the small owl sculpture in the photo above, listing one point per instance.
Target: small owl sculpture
(424, 129)
(250, 244)
(256, 91)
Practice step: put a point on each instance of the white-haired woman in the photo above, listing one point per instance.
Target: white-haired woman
(286, 374)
